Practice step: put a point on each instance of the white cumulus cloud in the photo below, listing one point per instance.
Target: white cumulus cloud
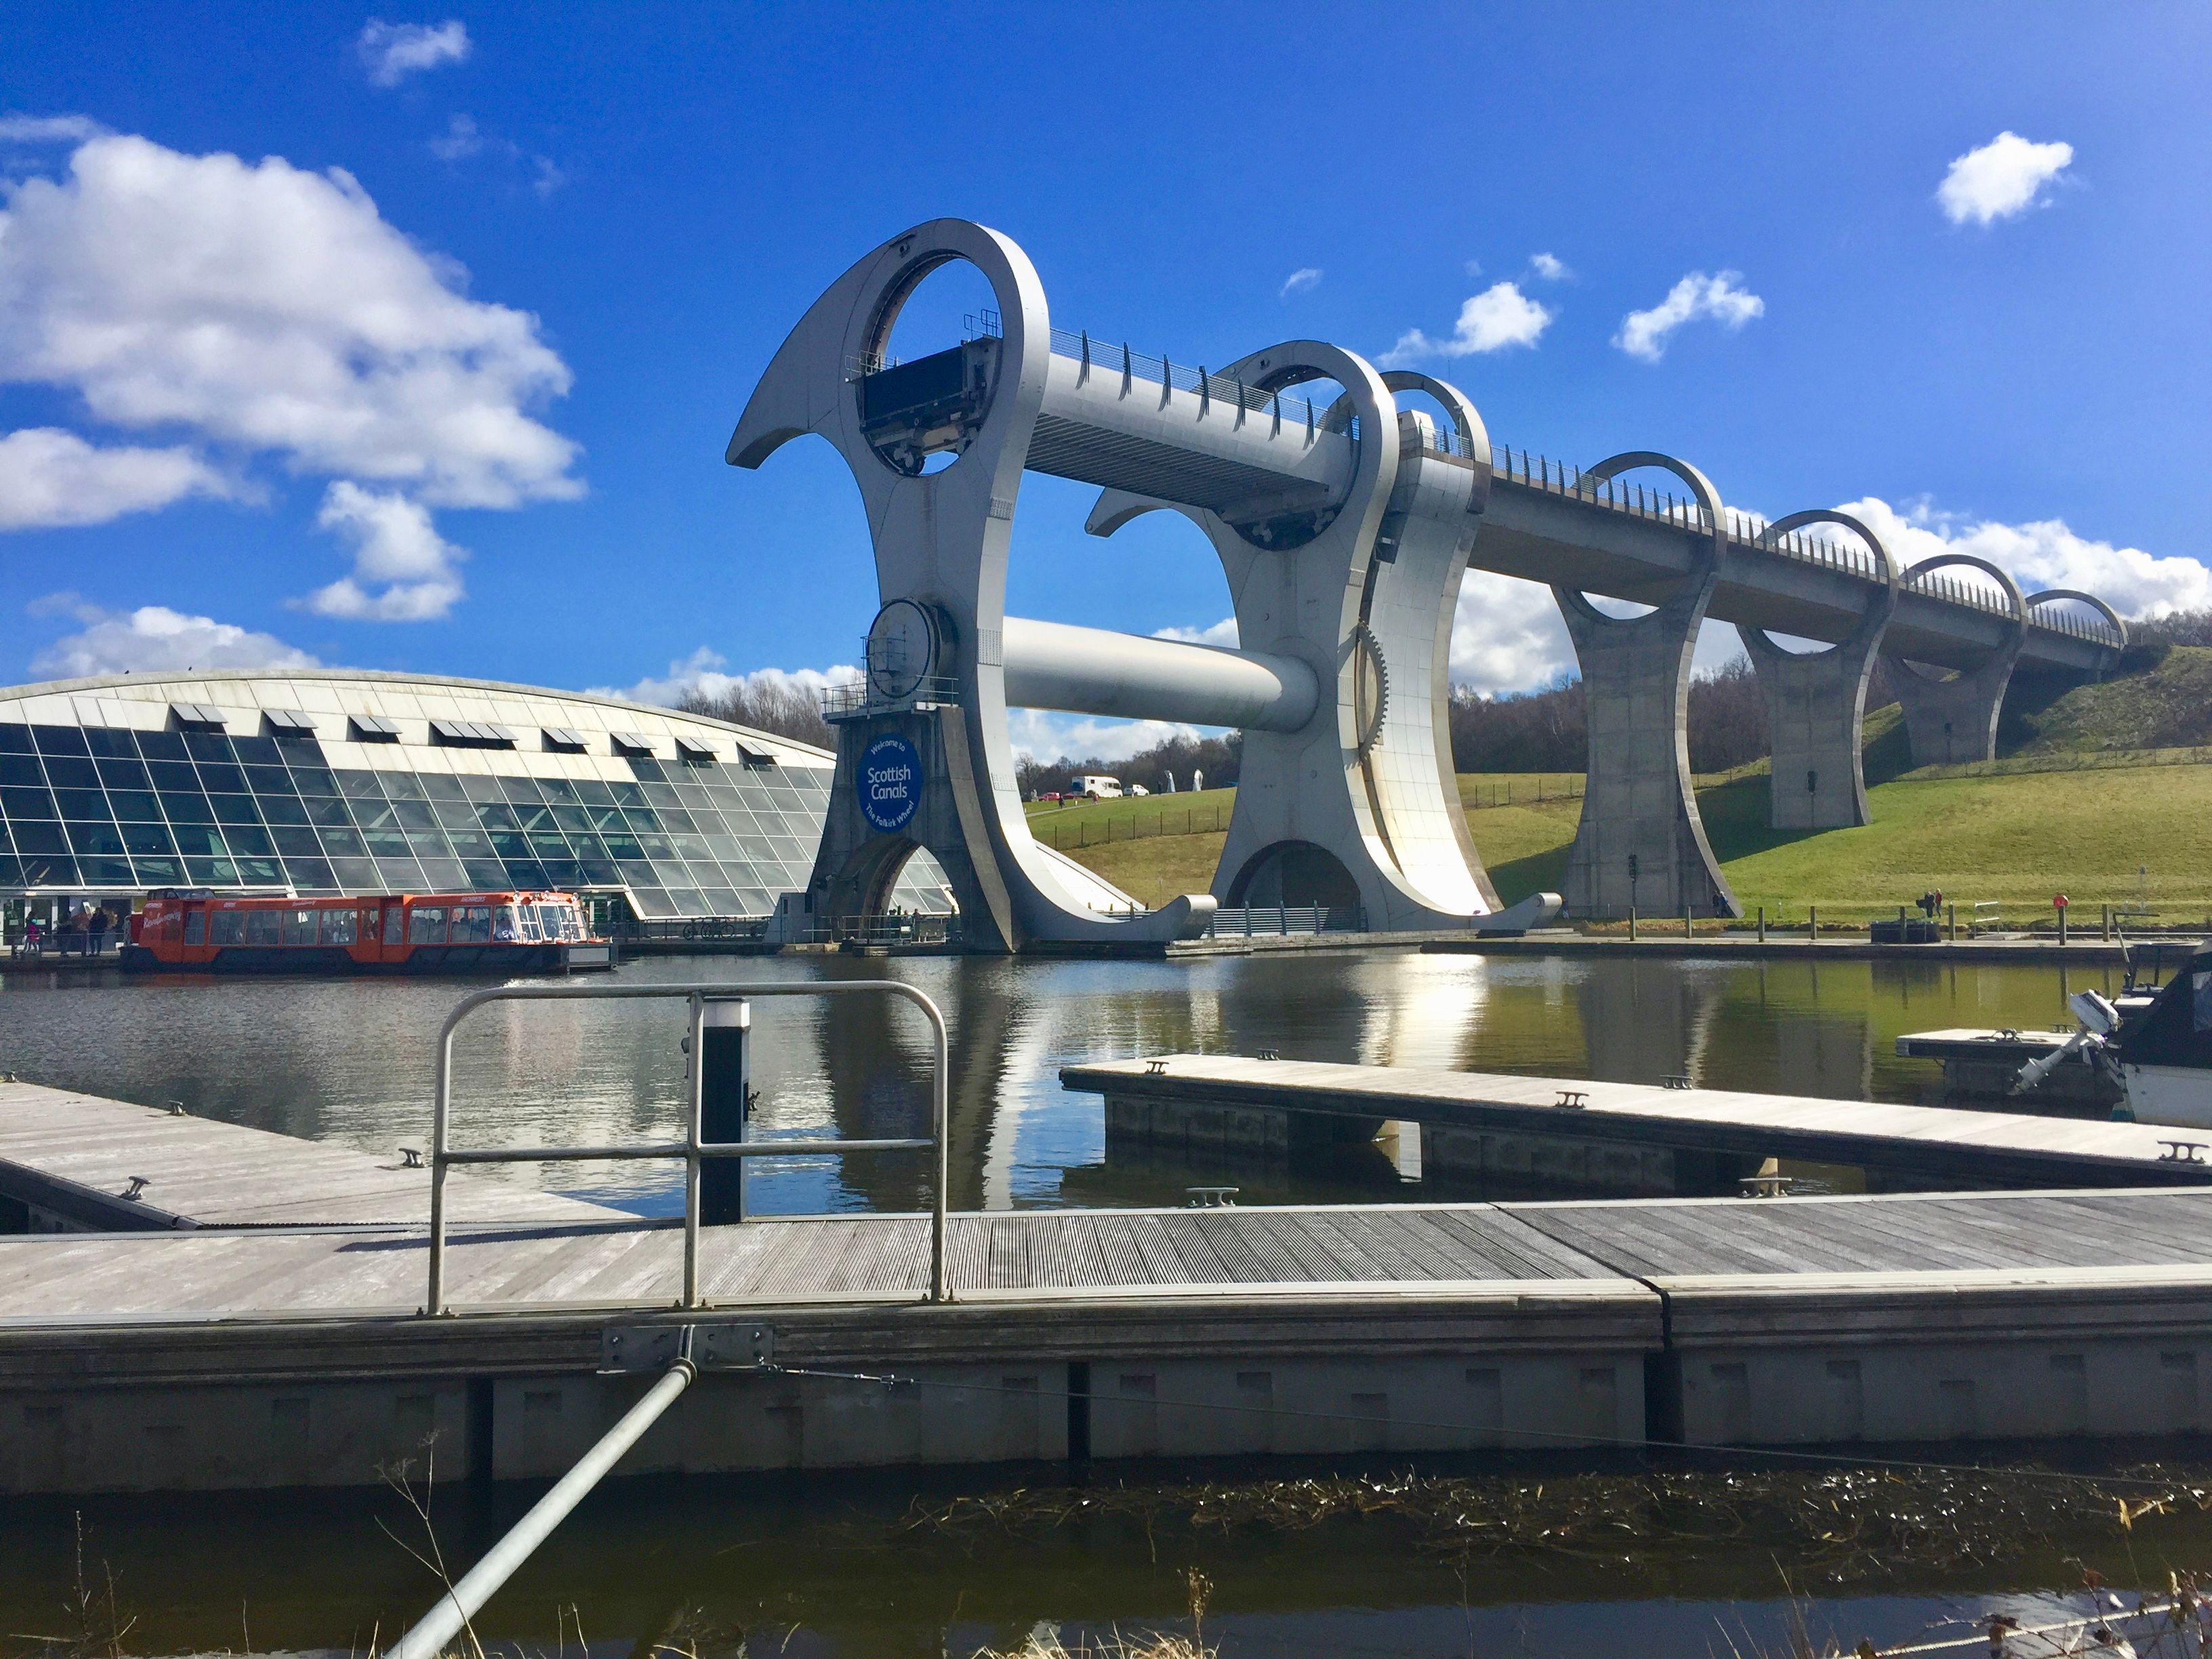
(704, 673)
(153, 637)
(1644, 334)
(464, 140)
(396, 551)
(48, 129)
(1550, 267)
(392, 51)
(1300, 280)
(1042, 735)
(2005, 176)
(2044, 554)
(1498, 317)
(1221, 633)
(49, 477)
(1507, 636)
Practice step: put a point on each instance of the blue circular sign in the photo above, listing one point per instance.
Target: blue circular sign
(889, 783)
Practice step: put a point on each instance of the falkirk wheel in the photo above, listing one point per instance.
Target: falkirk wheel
(1343, 530)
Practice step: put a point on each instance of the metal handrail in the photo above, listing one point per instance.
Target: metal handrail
(693, 1148)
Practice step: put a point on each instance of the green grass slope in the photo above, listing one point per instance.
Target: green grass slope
(2167, 707)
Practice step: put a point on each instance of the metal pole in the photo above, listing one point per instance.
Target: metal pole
(1812, 924)
(1631, 924)
(434, 1302)
(696, 1049)
(1762, 924)
(481, 1581)
(940, 1106)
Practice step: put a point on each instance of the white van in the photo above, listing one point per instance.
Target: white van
(1095, 787)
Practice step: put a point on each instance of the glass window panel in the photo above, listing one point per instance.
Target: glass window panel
(15, 738)
(606, 817)
(124, 774)
(59, 740)
(174, 774)
(181, 808)
(557, 789)
(402, 786)
(96, 838)
(657, 847)
(687, 901)
(38, 837)
(298, 749)
(524, 792)
(470, 843)
(23, 771)
(294, 843)
(534, 817)
(269, 779)
(495, 815)
(299, 925)
(356, 875)
(359, 786)
(82, 803)
(339, 921)
(755, 901)
(510, 843)
(48, 869)
(646, 768)
(547, 845)
(487, 874)
(563, 873)
(259, 872)
(588, 846)
(693, 847)
(627, 794)
(261, 926)
(235, 809)
(329, 812)
(401, 875)
(159, 872)
(198, 840)
(387, 843)
(143, 838)
(413, 815)
(741, 872)
(438, 786)
(428, 844)
(278, 809)
(342, 842)
(523, 873)
(676, 820)
(107, 873)
(220, 779)
(651, 902)
(311, 876)
(65, 772)
(600, 873)
(638, 874)
(571, 818)
(212, 873)
(162, 746)
(454, 814)
(721, 902)
(376, 814)
(693, 797)
(470, 924)
(225, 928)
(659, 795)
(257, 751)
(725, 848)
(478, 787)
(211, 746)
(138, 803)
(426, 924)
(28, 804)
(445, 875)
(314, 781)
(642, 819)
(247, 838)
(590, 791)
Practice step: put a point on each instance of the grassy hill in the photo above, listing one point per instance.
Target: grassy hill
(2169, 707)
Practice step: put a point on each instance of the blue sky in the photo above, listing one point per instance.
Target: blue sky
(447, 390)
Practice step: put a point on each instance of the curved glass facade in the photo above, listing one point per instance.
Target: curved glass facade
(260, 784)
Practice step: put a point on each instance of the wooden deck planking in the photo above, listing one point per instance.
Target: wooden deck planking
(201, 1172)
(1813, 1127)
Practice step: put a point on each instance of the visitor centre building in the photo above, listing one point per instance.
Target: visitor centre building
(314, 781)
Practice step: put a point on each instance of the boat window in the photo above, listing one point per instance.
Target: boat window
(195, 926)
(531, 930)
(261, 926)
(558, 921)
(505, 928)
(337, 927)
(299, 926)
(472, 924)
(226, 928)
(426, 925)
(391, 924)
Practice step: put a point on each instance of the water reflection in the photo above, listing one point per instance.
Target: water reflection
(351, 1060)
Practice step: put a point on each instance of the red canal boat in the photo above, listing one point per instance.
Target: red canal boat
(400, 933)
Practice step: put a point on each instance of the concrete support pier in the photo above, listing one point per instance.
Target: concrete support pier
(1640, 844)
(1954, 720)
(1816, 702)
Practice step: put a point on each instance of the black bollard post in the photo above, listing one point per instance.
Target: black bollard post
(722, 1084)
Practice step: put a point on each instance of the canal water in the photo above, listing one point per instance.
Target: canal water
(910, 1565)
(351, 1060)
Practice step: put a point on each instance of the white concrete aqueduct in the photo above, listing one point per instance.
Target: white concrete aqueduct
(1344, 528)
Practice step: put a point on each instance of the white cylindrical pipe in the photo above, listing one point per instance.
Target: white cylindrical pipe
(1092, 670)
